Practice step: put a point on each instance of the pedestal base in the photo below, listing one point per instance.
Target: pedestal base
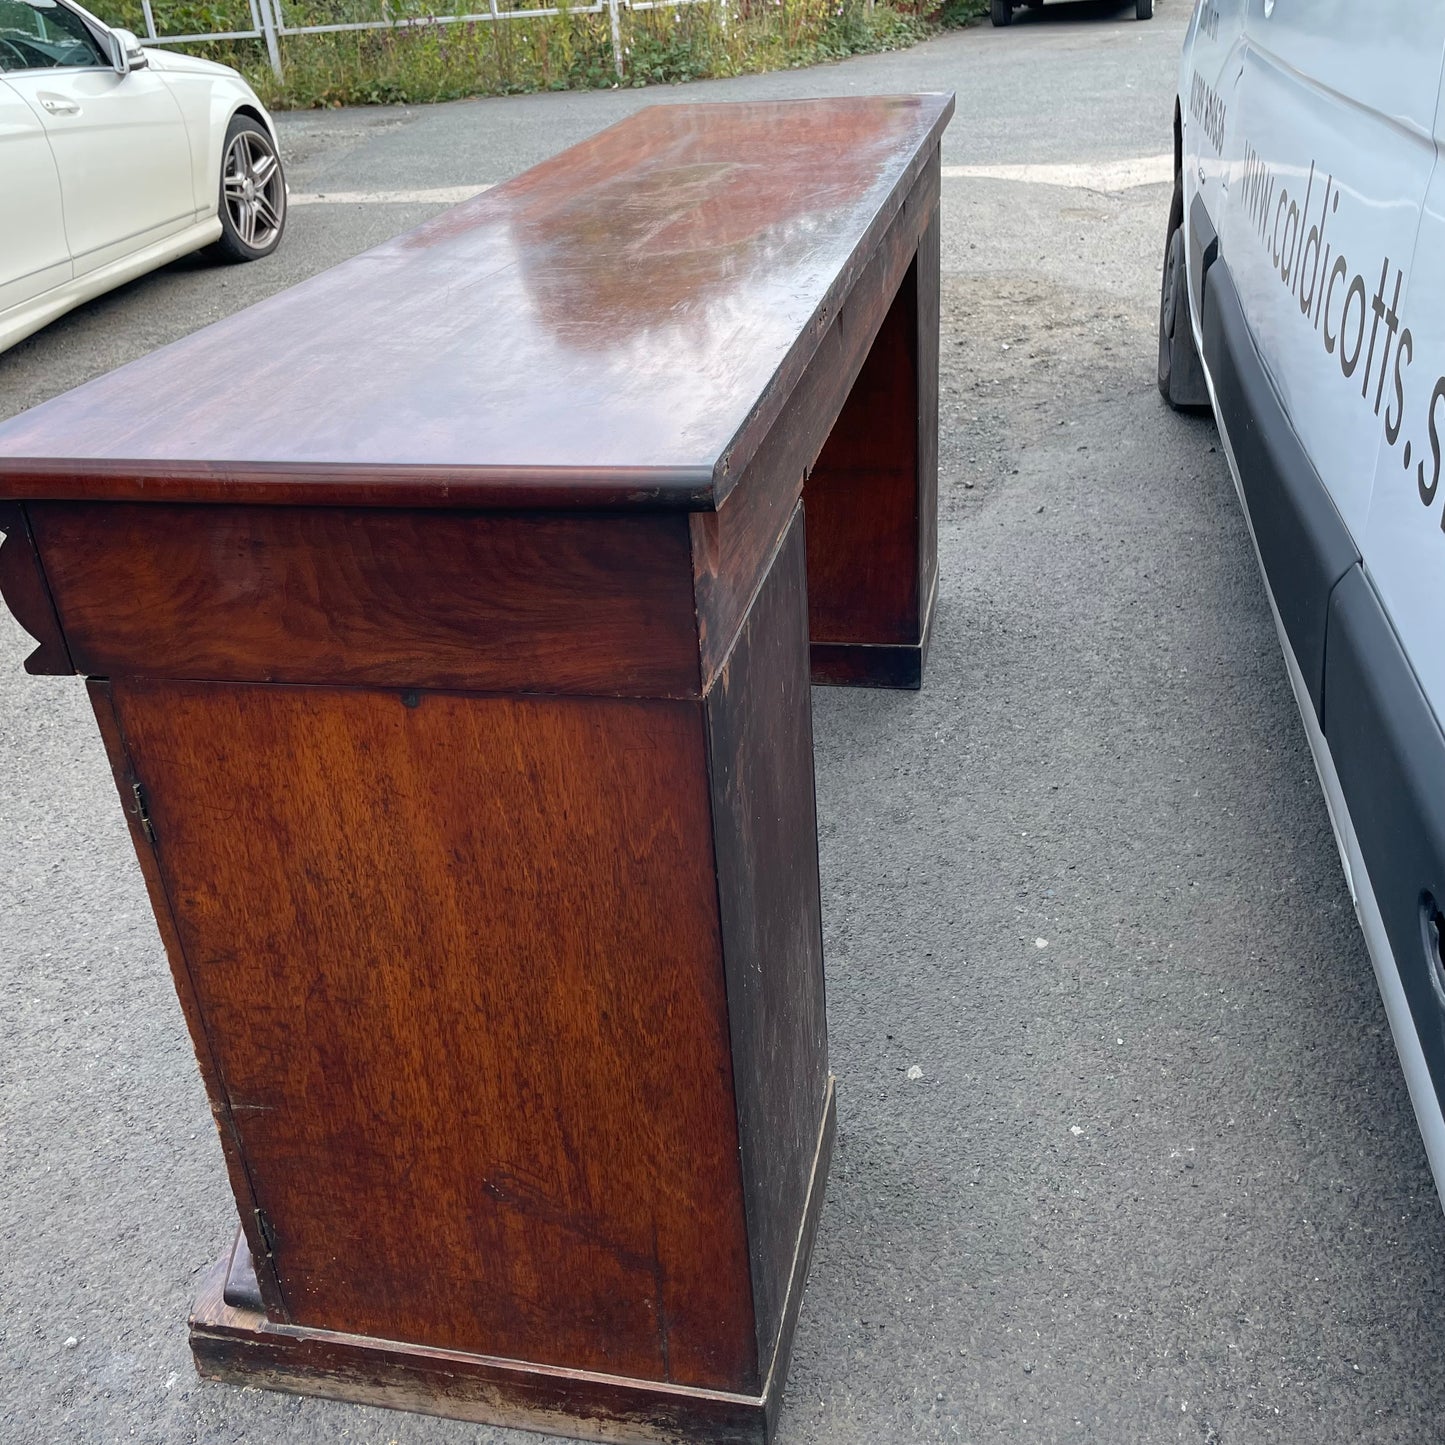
(868, 664)
(235, 1342)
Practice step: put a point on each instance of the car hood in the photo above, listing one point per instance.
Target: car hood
(169, 60)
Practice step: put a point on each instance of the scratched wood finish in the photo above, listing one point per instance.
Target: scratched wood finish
(472, 1029)
(504, 354)
(239, 1345)
(760, 741)
(556, 603)
(872, 499)
(233, 1340)
(732, 546)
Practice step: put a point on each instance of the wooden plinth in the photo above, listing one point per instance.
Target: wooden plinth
(878, 664)
(239, 1345)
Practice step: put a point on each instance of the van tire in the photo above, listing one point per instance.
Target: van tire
(1001, 12)
(1181, 374)
(1143, 9)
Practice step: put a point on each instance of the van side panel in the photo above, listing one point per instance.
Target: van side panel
(1209, 70)
(1320, 222)
(1303, 543)
(1404, 541)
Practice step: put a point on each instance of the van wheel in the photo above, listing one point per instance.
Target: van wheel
(1001, 12)
(1181, 375)
(1143, 9)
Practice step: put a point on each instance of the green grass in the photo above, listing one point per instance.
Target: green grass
(564, 52)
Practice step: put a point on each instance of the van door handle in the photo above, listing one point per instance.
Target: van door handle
(59, 105)
(1432, 925)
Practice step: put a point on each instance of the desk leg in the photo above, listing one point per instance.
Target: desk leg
(872, 501)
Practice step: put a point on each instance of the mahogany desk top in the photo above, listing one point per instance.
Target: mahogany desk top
(619, 327)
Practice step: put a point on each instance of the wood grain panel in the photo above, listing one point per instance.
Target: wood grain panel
(733, 546)
(862, 497)
(459, 962)
(133, 806)
(872, 499)
(760, 744)
(516, 601)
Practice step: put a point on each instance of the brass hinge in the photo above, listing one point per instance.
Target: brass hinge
(142, 813)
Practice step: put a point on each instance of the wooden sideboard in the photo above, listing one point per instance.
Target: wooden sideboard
(449, 621)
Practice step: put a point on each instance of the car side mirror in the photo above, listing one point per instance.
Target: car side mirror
(126, 53)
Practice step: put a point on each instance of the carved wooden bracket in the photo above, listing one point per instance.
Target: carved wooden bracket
(25, 592)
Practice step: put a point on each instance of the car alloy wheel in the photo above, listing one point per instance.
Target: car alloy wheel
(252, 188)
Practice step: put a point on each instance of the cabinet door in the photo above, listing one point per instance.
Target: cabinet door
(33, 255)
(1336, 104)
(408, 930)
(119, 141)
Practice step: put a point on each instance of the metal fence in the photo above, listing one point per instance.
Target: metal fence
(268, 23)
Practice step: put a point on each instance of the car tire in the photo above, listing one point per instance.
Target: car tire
(1143, 9)
(1181, 374)
(1001, 12)
(252, 192)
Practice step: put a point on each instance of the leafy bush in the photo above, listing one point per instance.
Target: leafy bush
(961, 12)
(563, 52)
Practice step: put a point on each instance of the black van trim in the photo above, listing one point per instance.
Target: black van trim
(1302, 539)
(1203, 245)
(1389, 755)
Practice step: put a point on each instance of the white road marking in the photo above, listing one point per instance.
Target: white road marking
(1120, 175)
(436, 196)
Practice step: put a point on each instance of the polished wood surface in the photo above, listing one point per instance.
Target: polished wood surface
(621, 326)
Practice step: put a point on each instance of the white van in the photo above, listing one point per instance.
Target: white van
(1303, 299)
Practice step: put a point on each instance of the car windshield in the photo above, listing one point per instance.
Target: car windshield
(41, 35)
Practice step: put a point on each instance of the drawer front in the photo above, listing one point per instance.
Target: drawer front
(505, 602)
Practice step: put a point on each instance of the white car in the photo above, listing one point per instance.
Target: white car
(1303, 300)
(115, 160)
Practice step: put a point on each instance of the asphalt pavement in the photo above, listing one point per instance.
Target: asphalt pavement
(1159, 1178)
